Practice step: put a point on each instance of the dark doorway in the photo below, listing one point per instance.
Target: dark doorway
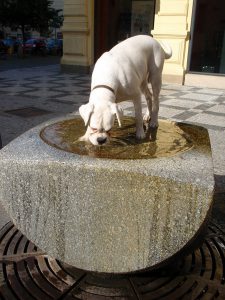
(117, 20)
(208, 45)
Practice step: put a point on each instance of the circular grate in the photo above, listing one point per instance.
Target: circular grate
(27, 273)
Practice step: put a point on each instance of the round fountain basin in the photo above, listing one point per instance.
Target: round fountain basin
(120, 208)
(171, 139)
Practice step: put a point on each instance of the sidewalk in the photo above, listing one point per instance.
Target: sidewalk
(31, 95)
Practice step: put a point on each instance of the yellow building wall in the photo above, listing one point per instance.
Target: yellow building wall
(78, 30)
(172, 24)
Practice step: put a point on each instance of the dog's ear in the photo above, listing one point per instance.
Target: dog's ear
(86, 111)
(117, 109)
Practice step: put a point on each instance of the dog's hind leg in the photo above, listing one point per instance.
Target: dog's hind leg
(148, 97)
(156, 82)
(140, 134)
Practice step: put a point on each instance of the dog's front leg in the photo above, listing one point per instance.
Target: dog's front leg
(85, 137)
(140, 134)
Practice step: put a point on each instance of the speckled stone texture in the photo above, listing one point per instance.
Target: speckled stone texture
(105, 215)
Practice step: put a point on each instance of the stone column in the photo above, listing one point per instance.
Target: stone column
(172, 24)
(78, 32)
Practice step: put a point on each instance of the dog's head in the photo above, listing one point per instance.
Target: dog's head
(100, 120)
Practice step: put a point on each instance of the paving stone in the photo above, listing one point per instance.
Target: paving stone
(42, 92)
(177, 87)
(208, 119)
(181, 103)
(185, 115)
(205, 106)
(196, 96)
(217, 108)
(14, 89)
(210, 91)
(168, 112)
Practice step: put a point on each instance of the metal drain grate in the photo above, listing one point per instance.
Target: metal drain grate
(27, 273)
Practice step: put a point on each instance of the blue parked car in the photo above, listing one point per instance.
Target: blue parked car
(54, 46)
(9, 42)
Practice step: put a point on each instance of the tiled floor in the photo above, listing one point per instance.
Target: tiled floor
(181, 103)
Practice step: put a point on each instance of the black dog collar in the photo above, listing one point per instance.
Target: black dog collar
(104, 86)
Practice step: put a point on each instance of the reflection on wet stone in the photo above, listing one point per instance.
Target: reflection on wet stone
(166, 140)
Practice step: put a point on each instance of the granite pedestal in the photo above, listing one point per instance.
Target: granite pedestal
(107, 215)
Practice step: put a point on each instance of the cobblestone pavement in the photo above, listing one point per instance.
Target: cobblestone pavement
(31, 95)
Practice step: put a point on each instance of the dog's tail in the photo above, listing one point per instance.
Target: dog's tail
(167, 49)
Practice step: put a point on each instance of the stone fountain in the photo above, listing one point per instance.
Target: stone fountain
(120, 208)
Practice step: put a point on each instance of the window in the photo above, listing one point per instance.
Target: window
(208, 49)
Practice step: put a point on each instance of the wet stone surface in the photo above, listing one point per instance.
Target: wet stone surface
(170, 139)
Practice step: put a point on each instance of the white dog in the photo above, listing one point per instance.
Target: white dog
(122, 74)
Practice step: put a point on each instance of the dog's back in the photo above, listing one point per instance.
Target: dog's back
(129, 64)
(142, 50)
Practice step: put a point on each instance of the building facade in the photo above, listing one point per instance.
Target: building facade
(195, 29)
